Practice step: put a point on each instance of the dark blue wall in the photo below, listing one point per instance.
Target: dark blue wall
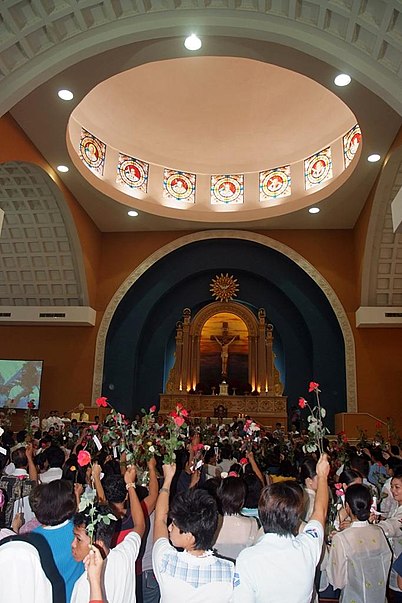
(140, 342)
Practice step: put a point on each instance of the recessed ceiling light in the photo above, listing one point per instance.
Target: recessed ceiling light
(132, 213)
(343, 79)
(66, 95)
(314, 210)
(192, 42)
(62, 168)
(374, 157)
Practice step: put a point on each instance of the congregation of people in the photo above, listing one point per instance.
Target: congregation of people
(243, 516)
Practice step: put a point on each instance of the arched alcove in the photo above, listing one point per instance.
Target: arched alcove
(133, 340)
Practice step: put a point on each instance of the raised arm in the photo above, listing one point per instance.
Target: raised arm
(255, 467)
(33, 472)
(96, 472)
(135, 505)
(153, 488)
(162, 505)
(320, 509)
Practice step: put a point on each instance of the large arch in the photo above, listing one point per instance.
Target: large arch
(40, 252)
(382, 262)
(364, 35)
(260, 240)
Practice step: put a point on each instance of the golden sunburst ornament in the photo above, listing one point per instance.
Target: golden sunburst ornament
(224, 287)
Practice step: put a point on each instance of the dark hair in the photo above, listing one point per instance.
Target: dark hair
(54, 502)
(308, 469)
(280, 507)
(231, 494)
(19, 458)
(393, 463)
(209, 455)
(21, 435)
(348, 476)
(102, 531)
(397, 472)
(361, 464)
(253, 490)
(54, 456)
(114, 487)
(211, 487)
(195, 512)
(376, 455)
(395, 450)
(359, 499)
(226, 452)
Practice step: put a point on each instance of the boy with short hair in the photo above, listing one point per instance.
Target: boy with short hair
(194, 575)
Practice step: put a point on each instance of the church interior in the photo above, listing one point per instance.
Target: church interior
(220, 225)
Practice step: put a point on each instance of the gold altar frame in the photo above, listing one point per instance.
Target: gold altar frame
(262, 373)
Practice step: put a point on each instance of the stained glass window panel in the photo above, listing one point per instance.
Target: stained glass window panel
(318, 168)
(132, 173)
(351, 142)
(92, 152)
(178, 186)
(227, 189)
(275, 184)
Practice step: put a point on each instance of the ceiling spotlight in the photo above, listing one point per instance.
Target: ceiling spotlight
(66, 95)
(192, 42)
(132, 213)
(314, 210)
(343, 79)
(374, 157)
(62, 168)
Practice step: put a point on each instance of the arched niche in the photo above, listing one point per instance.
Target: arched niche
(298, 301)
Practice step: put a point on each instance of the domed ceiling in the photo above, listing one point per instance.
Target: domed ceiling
(224, 122)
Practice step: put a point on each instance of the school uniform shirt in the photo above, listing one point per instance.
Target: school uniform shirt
(279, 569)
(185, 578)
(118, 578)
(359, 562)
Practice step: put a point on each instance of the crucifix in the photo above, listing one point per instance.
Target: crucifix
(224, 341)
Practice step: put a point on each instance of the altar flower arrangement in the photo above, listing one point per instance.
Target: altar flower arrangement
(316, 429)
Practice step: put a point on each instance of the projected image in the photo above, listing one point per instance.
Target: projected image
(20, 382)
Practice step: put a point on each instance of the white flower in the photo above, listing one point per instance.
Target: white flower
(151, 449)
(206, 447)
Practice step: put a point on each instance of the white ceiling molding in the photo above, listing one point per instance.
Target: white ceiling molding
(40, 39)
(40, 254)
(382, 263)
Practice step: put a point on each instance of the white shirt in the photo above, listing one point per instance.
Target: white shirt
(392, 530)
(118, 575)
(280, 569)
(51, 475)
(22, 578)
(359, 561)
(236, 533)
(185, 578)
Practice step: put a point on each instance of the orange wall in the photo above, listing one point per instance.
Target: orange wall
(109, 258)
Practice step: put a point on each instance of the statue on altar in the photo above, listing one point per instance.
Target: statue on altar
(225, 342)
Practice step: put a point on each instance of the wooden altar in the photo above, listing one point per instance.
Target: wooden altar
(261, 397)
(266, 410)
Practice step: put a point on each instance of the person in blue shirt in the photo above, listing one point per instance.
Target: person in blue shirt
(54, 504)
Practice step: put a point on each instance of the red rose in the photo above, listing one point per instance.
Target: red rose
(313, 386)
(178, 420)
(153, 408)
(184, 412)
(243, 461)
(302, 403)
(102, 401)
(83, 458)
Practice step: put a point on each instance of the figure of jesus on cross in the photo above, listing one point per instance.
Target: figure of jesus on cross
(225, 342)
